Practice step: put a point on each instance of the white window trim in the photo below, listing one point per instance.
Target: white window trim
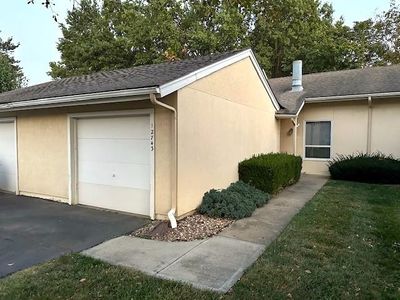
(72, 150)
(319, 146)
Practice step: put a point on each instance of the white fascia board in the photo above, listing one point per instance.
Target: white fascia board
(93, 98)
(289, 116)
(285, 116)
(351, 97)
(181, 82)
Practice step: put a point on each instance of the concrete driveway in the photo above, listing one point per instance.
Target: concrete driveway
(33, 231)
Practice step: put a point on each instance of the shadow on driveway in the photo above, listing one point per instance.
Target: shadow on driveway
(33, 231)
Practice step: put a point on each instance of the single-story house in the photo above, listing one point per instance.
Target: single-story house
(341, 112)
(153, 139)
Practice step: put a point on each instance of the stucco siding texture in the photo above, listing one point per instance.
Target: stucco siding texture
(385, 131)
(349, 130)
(222, 119)
(43, 150)
(43, 155)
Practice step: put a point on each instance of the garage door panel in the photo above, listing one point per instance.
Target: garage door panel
(115, 127)
(7, 157)
(118, 150)
(7, 146)
(7, 181)
(114, 174)
(7, 163)
(115, 198)
(113, 163)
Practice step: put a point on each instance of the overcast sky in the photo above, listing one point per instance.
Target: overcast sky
(33, 27)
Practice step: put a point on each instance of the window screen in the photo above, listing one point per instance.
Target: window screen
(318, 140)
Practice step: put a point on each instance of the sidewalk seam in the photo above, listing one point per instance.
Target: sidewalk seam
(178, 258)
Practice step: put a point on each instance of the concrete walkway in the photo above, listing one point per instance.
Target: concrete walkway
(218, 262)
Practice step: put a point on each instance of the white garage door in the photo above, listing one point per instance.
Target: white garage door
(114, 163)
(7, 156)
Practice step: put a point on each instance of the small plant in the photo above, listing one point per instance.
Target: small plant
(362, 167)
(257, 196)
(237, 201)
(271, 172)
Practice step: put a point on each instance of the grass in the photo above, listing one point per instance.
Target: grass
(344, 244)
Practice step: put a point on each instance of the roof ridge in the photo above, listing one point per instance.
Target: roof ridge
(342, 71)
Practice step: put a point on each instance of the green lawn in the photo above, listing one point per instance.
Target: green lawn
(344, 244)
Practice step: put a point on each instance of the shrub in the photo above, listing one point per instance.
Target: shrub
(271, 172)
(370, 168)
(238, 201)
(257, 196)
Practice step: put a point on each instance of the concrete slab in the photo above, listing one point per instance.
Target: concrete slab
(148, 256)
(254, 231)
(215, 264)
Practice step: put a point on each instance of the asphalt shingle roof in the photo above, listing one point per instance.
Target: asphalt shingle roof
(338, 83)
(133, 78)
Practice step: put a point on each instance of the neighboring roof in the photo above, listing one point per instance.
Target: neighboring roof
(337, 84)
(163, 79)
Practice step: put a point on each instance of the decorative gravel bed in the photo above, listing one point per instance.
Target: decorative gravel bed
(194, 227)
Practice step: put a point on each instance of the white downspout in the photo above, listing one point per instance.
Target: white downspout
(295, 125)
(369, 125)
(171, 213)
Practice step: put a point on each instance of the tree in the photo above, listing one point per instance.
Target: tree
(216, 26)
(378, 39)
(287, 30)
(111, 34)
(11, 75)
(119, 34)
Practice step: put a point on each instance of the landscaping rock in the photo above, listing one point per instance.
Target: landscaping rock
(194, 227)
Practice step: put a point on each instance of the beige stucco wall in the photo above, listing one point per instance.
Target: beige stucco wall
(386, 127)
(222, 119)
(349, 129)
(43, 150)
(43, 155)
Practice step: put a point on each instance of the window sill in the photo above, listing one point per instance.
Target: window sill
(316, 159)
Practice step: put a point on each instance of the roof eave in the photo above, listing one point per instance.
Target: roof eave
(330, 99)
(290, 115)
(82, 99)
(351, 97)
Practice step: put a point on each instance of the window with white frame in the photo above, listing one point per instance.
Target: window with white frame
(318, 140)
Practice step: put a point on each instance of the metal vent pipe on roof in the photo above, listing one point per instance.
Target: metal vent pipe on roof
(297, 76)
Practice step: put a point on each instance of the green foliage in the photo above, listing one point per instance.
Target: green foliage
(371, 168)
(287, 30)
(377, 40)
(238, 201)
(271, 172)
(245, 190)
(11, 76)
(105, 35)
(112, 34)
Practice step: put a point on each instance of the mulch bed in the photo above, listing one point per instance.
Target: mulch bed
(194, 227)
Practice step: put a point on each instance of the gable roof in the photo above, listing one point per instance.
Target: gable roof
(336, 85)
(161, 79)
